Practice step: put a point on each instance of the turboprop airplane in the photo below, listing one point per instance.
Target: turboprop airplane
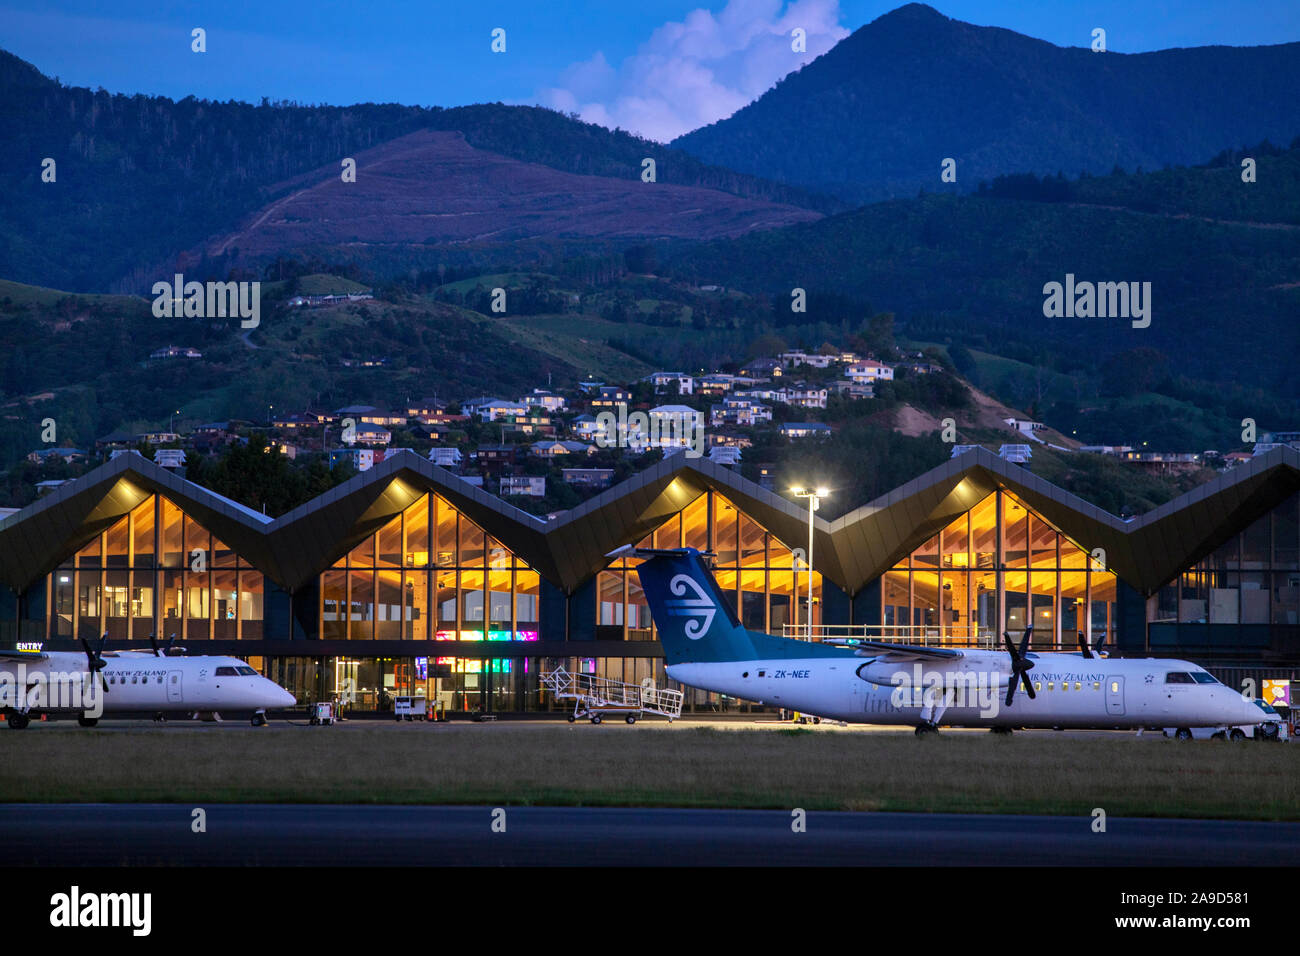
(154, 681)
(881, 682)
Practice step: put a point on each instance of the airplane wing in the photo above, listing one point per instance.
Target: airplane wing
(898, 651)
(23, 655)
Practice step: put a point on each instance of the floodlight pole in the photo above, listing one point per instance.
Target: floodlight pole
(814, 500)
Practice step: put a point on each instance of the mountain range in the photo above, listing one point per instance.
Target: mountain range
(875, 116)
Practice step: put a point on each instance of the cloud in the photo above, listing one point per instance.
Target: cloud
(703, 69)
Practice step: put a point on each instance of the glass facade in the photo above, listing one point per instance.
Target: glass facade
(463, 685)
(157, 571)
(1253, 578)
(994, 569)
(760, 572)
(429, 574)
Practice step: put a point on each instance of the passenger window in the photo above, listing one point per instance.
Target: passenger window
(1038, 685)
(1078, 686)
(1114, 687)
(1051, 685)
(1096, 685)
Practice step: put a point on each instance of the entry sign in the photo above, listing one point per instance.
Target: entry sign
(1277, 692)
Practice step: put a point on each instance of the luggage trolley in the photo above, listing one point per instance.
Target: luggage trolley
(596, 697)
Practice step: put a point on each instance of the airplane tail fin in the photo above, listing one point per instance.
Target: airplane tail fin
(695, 621)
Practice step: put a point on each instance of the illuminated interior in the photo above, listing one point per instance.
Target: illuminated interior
(429, 574)
(156, 571)
(988, 571)
(750, 564)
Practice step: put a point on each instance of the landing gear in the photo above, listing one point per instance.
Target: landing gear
(923, 729)
(259, 719)
(160, 718)
(18, 721)
(1183, 733)
(84, 721)
(1001, 731)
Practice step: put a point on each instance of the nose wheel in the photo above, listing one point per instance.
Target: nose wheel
(259, 719)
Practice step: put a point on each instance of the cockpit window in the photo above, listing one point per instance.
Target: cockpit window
(1178, 677)
(1201, 677)
(247, 671)
(227, 672)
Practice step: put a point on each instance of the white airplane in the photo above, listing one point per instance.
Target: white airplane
(879, 682)
(158, 682)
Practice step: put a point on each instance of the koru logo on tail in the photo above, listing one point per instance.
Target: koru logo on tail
(697, 606)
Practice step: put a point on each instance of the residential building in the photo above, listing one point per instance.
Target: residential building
(804, 395)
(169, 457)
(42, 455)
(610, 397)
(544, 399)
(445, 457)
(588, 477)
(175, 351)
(532, 485)
(805, 430)
(870, 370)
(668, 383)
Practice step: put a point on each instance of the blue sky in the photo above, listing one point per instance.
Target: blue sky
(656, 66)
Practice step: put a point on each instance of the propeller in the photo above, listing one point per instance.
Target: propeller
(1020, 664)
(153, 642)
(1090, 652)
(95, 659)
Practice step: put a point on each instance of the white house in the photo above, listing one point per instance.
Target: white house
(544, 398)
(169, 457)
(664, 381)
(445, 457)
(870, 371)
(490, 409)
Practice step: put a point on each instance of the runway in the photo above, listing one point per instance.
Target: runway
(353, 835)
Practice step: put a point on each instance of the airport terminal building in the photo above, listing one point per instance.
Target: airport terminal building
(407, 580)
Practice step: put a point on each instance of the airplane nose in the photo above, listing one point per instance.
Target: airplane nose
(277, 696)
